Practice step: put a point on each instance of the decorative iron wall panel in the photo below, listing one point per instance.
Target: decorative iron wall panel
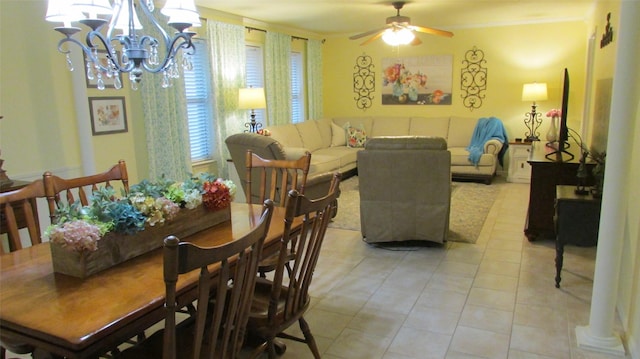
(473, 79)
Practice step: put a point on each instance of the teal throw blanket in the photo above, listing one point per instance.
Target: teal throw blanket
(486, 129)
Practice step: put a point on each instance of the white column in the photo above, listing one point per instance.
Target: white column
(599, 335)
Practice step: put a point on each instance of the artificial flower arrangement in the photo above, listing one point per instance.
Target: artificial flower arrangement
(554, 113)
(402, 79)
(79, 228)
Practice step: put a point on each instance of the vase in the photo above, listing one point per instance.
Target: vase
(397, 89)
(115, 248)
(413, 94)
(552, 134)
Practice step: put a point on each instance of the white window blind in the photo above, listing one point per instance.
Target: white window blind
(198, 93)
(255, 74)
(297, 86)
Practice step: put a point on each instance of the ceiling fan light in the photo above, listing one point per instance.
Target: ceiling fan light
(396, 37)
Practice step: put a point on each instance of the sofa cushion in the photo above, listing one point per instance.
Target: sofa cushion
(360, 122)
(356, 137)
(324, 128)
(346, 155)
(460, 157)
(323, 163)
(338, 135)
(421, 126)
(460, 131)
(287, 135)
(309, 134)
(391, 126)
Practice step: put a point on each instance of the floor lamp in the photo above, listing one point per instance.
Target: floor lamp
(252, 99)
(533, 92)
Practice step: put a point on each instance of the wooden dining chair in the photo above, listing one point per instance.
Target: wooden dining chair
(80, 189)
(281, 302)
(17, 206)
(273, 179)
(218, 328)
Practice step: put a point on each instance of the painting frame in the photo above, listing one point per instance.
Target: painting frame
(108, 82)
(108, 115)
(417, 80)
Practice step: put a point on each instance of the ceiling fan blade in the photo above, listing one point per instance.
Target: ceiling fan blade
(373, 38)
(428, 30)
(416, 41)
(367, 33)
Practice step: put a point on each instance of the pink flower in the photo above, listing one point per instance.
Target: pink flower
(76, 235)
(554, 113)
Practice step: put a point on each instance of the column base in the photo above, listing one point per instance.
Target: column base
(610, 345)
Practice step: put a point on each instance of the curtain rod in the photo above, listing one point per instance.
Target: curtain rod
(262, 30)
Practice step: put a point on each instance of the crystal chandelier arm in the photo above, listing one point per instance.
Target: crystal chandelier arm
(111, 53)
(181, 41)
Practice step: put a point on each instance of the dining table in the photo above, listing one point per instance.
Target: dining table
(85, 318)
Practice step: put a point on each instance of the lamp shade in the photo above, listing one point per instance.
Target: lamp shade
(534, 92)
(251, 98)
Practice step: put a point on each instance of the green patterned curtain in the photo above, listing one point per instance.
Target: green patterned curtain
(314, 79)
(165, 122)
(278, 78)
(228, 66)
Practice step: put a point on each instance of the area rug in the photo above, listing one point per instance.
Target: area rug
(470, 205)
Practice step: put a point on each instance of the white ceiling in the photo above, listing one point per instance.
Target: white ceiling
(349, 17)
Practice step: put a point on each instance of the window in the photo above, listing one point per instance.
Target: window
(255, 78)
(255, 74)
(198, 90)
(297, 88)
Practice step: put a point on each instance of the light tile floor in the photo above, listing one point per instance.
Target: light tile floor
(492, 299)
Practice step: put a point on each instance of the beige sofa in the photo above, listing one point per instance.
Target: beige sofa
(326, 140)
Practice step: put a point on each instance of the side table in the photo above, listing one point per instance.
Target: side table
(519, 168)
(577, 220)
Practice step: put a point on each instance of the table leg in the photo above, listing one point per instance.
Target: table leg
(559, 260)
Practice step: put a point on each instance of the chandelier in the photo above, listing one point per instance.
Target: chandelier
(127, 49)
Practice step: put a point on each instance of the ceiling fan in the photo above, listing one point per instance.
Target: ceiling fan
(399, 31)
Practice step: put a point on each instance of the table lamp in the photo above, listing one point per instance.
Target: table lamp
(252, 98)
(533, 92)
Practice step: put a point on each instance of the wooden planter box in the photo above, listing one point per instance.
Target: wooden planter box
(115, 248)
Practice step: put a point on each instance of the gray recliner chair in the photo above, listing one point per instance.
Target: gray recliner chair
(405, 189)
(266, 147)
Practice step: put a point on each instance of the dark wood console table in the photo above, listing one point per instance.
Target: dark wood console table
(577, 222)
(545, 176)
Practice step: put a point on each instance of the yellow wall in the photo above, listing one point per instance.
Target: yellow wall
(39, 131)
(514, 55)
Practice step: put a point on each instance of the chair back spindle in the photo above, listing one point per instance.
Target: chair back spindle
(80, 189)
(273, 179)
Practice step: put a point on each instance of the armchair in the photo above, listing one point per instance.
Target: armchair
(405, 189)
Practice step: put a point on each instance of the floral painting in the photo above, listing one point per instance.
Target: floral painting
(107, 115)
(421, 80)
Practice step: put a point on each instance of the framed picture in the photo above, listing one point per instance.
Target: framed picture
(108, 115)
(420, 80)
(108, 81)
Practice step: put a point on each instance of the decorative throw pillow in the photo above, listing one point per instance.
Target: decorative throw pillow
(338, 137)
(356, 137)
